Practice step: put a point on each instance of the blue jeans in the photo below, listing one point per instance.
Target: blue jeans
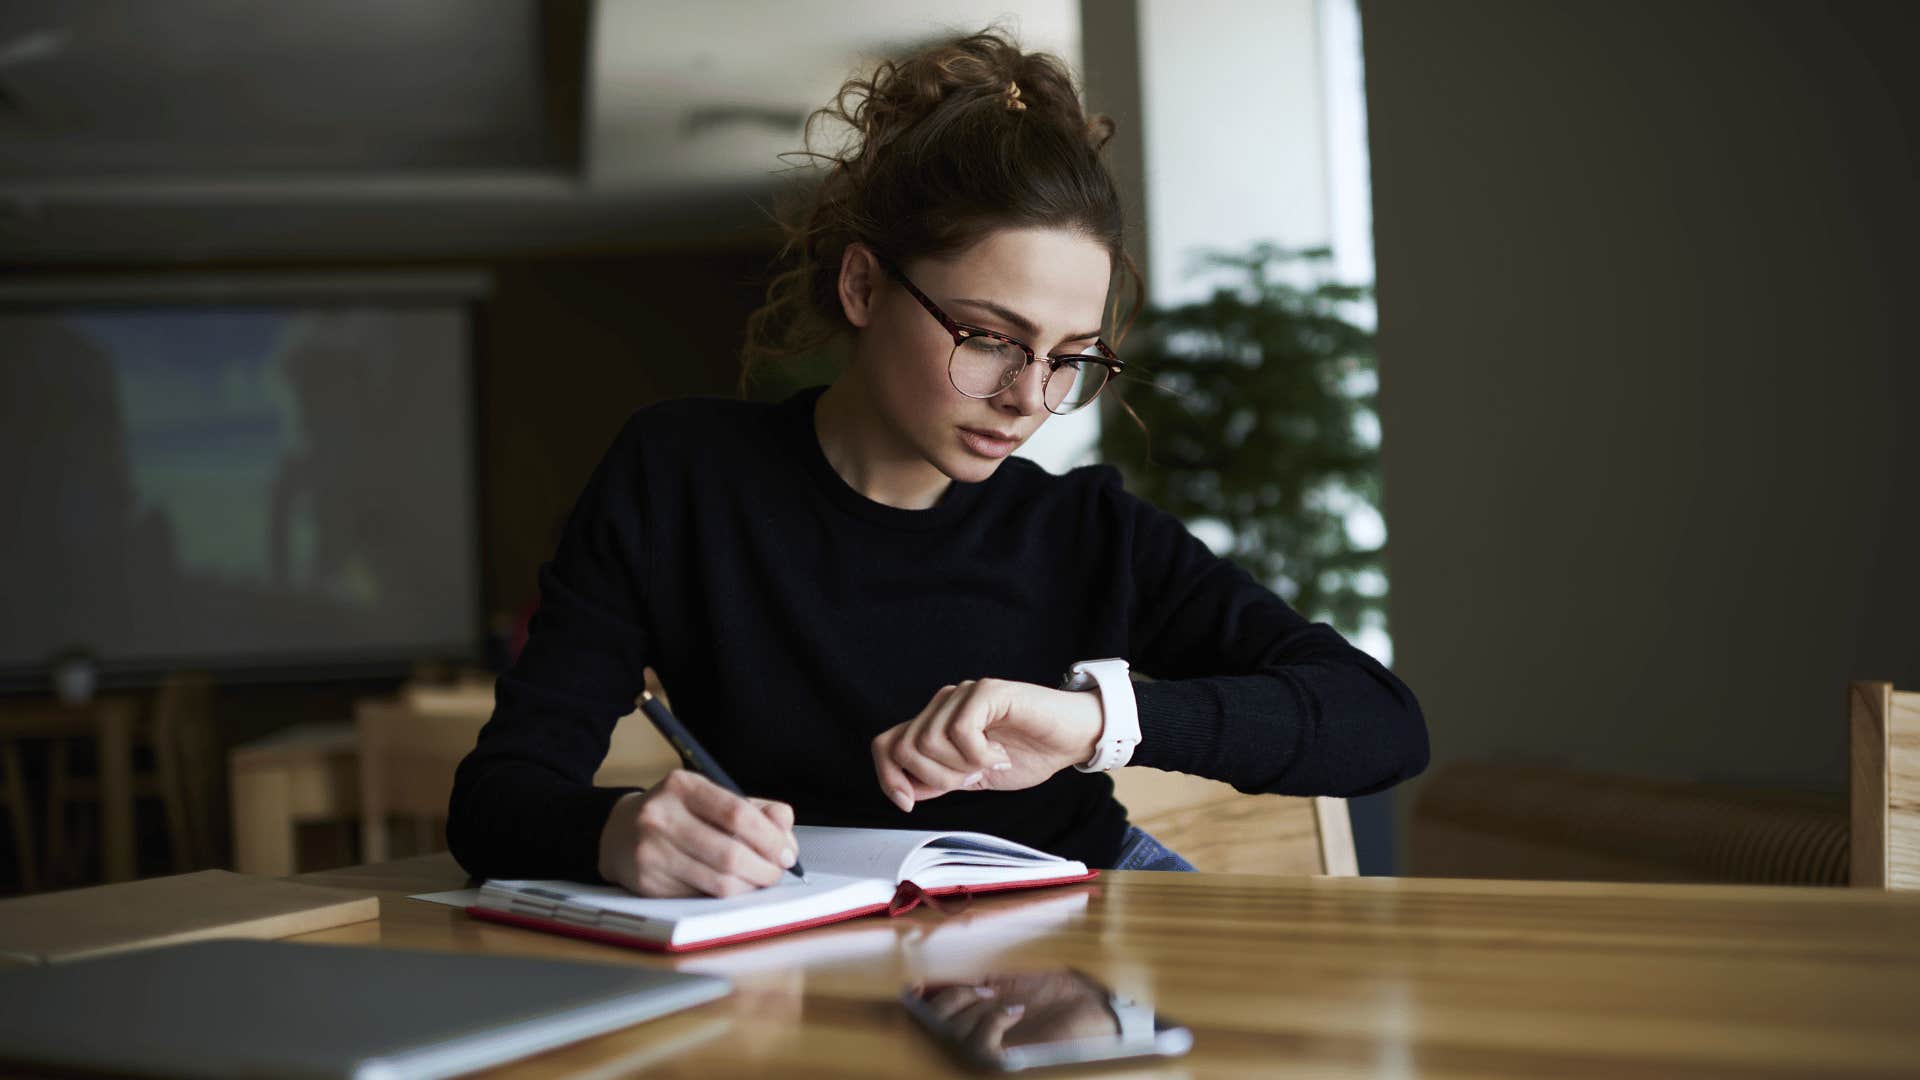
(1140, 851)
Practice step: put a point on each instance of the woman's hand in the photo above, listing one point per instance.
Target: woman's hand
(995, 734)
(688, 836)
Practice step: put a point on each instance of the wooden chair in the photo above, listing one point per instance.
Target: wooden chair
(1884, 786)
(177, 731)
(1220, 830)
(13, 795)
(409, 748)
(388, 770)
(306, 774)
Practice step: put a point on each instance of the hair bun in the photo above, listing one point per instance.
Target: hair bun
(941, 147)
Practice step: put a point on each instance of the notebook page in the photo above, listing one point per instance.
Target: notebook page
(935, 877)
(961, 852)
(868, 853)
(847, 868)
(898, 855)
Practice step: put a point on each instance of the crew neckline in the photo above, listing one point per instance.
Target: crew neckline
(799, 409)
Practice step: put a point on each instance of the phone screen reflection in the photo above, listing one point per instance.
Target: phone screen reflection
(1035, 1018)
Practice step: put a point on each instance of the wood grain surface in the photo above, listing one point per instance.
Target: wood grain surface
(1291, 976)
(1903, 791)
(1884, 782)
(1220, 830)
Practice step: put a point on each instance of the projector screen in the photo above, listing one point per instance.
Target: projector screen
(230, 487)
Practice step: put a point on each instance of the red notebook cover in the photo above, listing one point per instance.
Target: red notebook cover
(905, 898)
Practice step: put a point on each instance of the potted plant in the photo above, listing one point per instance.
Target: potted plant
(1253, 421)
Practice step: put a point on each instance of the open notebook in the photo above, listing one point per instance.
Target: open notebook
(851, 872)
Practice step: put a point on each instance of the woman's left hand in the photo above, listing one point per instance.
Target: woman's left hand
(994, 734)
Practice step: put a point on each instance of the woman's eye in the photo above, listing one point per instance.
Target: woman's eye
(986, 346)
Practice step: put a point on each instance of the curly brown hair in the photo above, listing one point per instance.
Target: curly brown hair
(944, 146)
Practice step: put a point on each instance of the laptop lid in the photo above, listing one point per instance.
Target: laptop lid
(270, 1008)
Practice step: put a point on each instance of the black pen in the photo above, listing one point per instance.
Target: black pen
(695, 756)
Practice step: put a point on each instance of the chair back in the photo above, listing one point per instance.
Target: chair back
(1220, 830)
(1884, 786)
(189, 766)
(410, 747)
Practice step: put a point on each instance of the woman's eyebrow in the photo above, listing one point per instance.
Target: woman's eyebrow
(1018, 321)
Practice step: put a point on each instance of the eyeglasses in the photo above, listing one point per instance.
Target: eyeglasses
(984, 363)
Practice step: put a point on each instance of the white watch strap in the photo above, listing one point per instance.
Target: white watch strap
(1135, 1019)
(1120, 715)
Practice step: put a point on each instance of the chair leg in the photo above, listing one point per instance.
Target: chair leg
(166, 764)
(16, 780)
(346, 838)
(426, 835)
(57, 776)
(198, 780)
(182, 740)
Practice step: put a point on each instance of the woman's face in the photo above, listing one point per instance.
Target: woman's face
(1043, 287)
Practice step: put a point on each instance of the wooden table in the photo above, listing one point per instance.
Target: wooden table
(109, 722)
(1292, 977)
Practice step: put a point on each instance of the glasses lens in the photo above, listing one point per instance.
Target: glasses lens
(982, 366)
(1074, 383)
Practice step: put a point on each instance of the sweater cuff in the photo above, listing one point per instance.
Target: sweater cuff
(1178, 723)
(579, 816)
(1238, 729)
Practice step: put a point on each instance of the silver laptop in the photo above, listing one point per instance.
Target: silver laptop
(266, 1008)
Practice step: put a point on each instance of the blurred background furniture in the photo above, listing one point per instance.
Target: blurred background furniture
(108, 722)
(387, 775)
(1884, 790)
(171, 761)
(304, 774)
(409, 748)
(13, 797)
(1221, 830)
(1489, 819)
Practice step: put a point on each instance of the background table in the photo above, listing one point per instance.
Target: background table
(1292, 976)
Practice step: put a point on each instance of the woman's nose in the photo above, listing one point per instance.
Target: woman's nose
(1028, 392)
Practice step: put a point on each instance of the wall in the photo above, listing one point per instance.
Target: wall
(1235, 131)
(1649, 375)
(569, 348)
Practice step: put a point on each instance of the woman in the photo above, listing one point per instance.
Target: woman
(859, 602)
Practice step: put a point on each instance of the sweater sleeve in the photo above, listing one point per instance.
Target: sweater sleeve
(1247, 691)
(523, 802)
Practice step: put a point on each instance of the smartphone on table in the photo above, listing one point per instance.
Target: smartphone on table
(1028, 1020)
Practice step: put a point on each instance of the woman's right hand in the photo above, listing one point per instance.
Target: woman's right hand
(688, 836)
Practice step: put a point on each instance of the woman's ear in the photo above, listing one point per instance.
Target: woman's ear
(859, 283)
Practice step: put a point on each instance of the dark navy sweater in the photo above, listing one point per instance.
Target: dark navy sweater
(791, 619)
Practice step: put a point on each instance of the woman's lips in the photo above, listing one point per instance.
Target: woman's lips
(987, 444)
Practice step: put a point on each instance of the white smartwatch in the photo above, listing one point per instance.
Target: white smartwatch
(1120, 716)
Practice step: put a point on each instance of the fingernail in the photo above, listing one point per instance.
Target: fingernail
(972, 780)
(1014, 1011)
(986, 991)
(1002, 766)
(902, 799)
(787, 857)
